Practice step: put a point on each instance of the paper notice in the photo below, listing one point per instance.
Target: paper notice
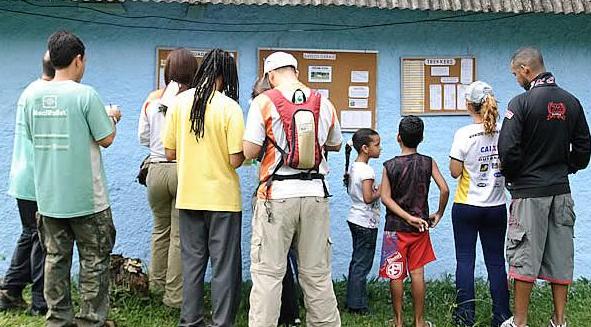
(359, 76)
(461, 96)
(439, 71)
(440, 61)
(452, 80)
(449, 97)
(354, 119)
(466, 71)
(435, 96)
(324, 93)
(320, 74)
(161, 83)
(320, 56)
(358, 91)
(358, 103)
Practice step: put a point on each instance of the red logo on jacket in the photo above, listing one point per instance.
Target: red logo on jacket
(556, 110)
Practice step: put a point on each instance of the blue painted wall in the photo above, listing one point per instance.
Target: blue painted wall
(121, 67)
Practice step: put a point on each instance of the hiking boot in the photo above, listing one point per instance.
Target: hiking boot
(552, 324)
(110, 323)
(8, 302)
(509, 323)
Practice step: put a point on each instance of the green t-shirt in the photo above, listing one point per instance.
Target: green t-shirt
(64, 119)
(22, 181)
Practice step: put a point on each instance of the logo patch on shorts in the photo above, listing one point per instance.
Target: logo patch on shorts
(394, 269)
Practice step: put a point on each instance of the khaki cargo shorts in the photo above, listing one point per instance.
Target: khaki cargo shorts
(540, 239)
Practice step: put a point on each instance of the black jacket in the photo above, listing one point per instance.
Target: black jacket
(544, 137)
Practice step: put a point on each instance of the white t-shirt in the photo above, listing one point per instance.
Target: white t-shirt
(361, 213)
(263, 121)
(481, 183)
(150, 126)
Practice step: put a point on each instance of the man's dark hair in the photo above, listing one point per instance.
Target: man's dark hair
(411, 131)
(63, 48)
(48, 69)
(529, 56)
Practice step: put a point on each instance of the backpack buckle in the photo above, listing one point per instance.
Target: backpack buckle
(306, 176)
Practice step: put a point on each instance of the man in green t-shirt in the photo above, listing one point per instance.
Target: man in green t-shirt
(28, 258)
(67, 124)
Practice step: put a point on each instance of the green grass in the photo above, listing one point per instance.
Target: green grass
(130, 311)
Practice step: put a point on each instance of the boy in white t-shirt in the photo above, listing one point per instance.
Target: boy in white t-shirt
(364, 215)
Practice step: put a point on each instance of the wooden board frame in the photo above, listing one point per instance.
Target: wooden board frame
(343, 63)
(419, 96)
(162, 53)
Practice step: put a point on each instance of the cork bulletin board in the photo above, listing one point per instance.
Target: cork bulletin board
(347, 77)
(435, 85)
(162, 53)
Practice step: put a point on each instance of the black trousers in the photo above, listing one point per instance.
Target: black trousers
(28, 258)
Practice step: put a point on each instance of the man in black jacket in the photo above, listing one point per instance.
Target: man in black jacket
(544, 138)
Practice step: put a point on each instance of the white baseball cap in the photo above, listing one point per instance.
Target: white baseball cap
(477, 92)
(278, 60)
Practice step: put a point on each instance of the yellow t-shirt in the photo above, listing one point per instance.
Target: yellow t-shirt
(206, 180)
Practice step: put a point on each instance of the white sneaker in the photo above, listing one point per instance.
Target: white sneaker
(510, 323)
(552, 324)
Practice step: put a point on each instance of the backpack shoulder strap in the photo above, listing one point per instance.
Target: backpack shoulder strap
(275, 96)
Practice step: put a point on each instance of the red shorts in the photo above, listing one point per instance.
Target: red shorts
(403, 252)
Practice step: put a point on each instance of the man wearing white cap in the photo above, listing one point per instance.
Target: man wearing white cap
(288, 129)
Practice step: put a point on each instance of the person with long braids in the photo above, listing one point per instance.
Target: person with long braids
(479, 206)
(203, 133)
(165, 263)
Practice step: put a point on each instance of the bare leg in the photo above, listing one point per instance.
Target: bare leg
(559, 295)
(522, 293)
(397, 292)
(418, 295)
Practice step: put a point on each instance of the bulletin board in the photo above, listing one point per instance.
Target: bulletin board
(435, 85)
(162, 53)
(347, 77)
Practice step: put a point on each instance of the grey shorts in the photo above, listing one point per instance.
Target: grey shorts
(540, 239)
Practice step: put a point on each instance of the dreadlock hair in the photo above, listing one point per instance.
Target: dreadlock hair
(217, 63)
(362, 137)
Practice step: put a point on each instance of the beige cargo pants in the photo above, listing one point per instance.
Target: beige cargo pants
(165, 264)
(276, 226)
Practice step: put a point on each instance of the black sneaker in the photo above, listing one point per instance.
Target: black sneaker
(9, 302)
(360, 312)
(37, 312)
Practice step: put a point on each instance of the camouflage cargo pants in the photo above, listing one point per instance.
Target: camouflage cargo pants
(95, 236)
